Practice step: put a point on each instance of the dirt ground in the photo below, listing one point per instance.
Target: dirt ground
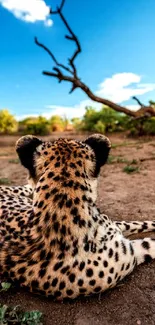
(121, 196)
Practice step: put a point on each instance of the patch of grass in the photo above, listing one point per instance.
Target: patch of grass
(115, 159)
(14, 161)
(131, 169)
(121, 160)
(111, 159)
(122, 144)
(5, 286)
(114, 145)
(4, 181)
(14, 315)
(134, 162)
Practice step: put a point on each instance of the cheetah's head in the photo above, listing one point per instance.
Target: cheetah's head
(64, 160)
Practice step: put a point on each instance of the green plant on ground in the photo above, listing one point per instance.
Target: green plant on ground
(14, 161)
(121, 160)
(111, 159)
(4, 181)
(131, 169)
(5, 286)
(15, 316)
(133, 162)
(115, 159)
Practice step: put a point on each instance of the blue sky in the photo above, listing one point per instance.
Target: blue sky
(117, 59)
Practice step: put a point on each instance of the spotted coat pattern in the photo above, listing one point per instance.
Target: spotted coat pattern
(59, 244)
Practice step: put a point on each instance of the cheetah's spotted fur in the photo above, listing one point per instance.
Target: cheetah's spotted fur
(59, 244)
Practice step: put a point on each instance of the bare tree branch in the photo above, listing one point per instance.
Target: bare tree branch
(138, 101)
(71, 37)
(52, 55)
(77, 83)
(72, 76)
(58, 8)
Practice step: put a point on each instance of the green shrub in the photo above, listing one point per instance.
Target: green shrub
(149, 126)
(105, 120)
(35, 125)
(15, 316)
(99, 127)
(5, 286)
(131, 169)
(90, 118)
(8, 124)
(143, 126)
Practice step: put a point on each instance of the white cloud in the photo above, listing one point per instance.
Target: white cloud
(48, 22)
(72, 111)
(122, 86)
(68, 111)
(133, 107)
(28, 10)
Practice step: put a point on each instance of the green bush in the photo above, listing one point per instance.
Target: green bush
(35, 125)
(108, 120)
(143, 126)
(149, 126)
(99, 127)
(105, 120)
(8, 124)
(90, 118)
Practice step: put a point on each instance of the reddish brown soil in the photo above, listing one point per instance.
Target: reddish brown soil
(121, 196)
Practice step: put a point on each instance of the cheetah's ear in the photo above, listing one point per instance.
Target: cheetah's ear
(101, 146)
(25, 148)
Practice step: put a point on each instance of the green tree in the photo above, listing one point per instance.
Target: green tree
(99, 127)
(90, 118)
(152, 103)
(8, 123)
(105, 120)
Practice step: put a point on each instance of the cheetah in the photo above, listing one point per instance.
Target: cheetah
(17, 191)
(15, 196)
(59, 244)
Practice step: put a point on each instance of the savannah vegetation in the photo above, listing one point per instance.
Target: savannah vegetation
(105, 120)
